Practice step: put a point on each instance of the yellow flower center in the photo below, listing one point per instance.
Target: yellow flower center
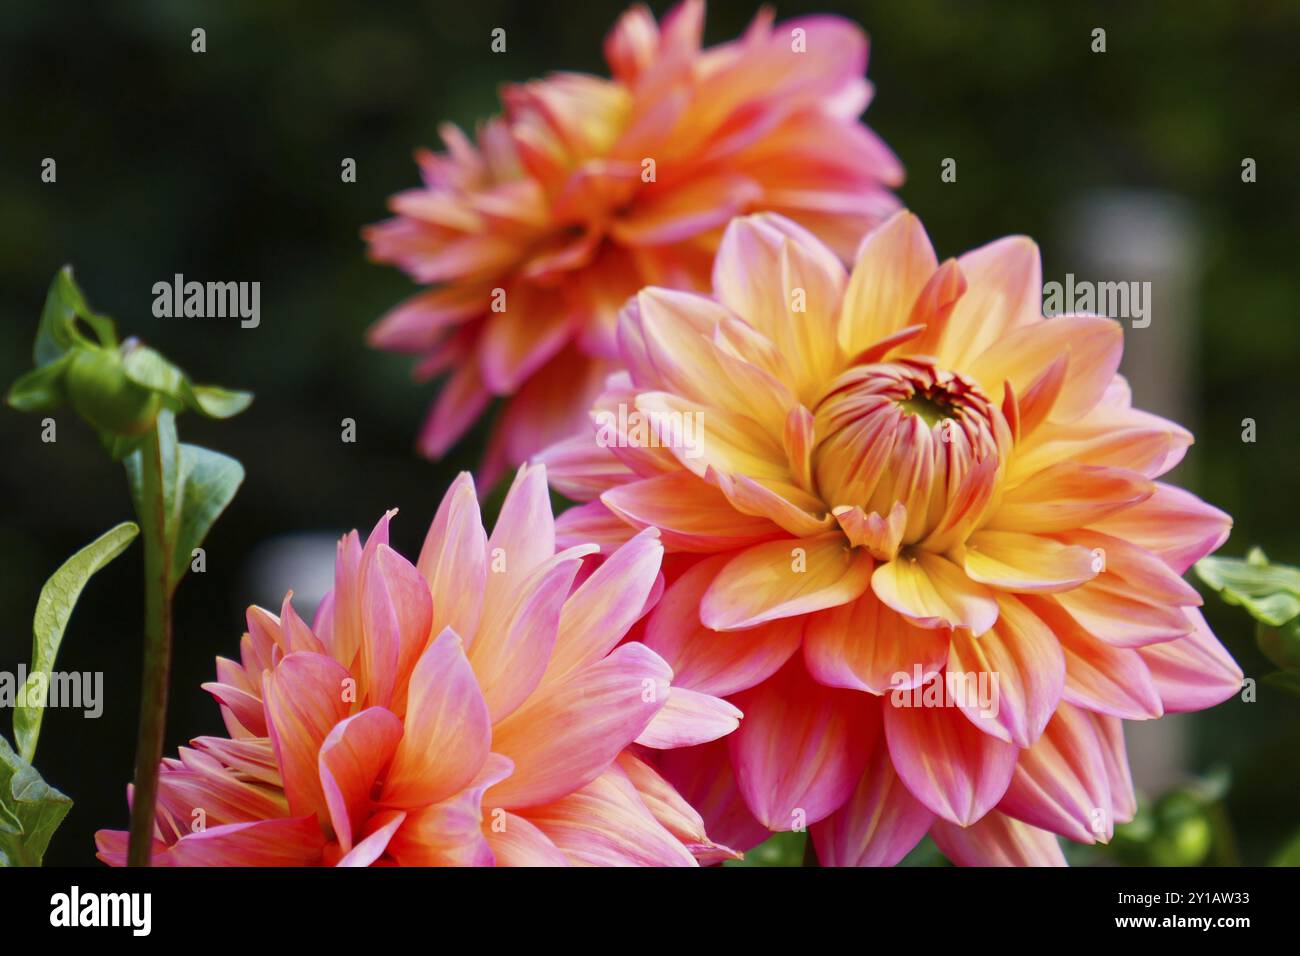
(903, 432)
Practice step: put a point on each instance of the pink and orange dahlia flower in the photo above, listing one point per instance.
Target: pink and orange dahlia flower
(588, 189)
(470, 709)
(922, 544)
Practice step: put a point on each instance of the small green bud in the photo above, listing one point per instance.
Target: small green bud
(100, 391)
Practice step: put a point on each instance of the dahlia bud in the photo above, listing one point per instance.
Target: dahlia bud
(118, 389)
(100, 391)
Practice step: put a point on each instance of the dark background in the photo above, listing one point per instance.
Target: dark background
(225, 166)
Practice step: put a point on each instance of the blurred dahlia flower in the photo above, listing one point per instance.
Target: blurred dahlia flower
(588, 189)
(467, 710)
(922, 545)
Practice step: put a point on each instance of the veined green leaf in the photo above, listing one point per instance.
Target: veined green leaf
(208, 481)
(1270, 593)
(146, 367)
(30, 810)
(198, 484)
(53, 609)
(214, 401)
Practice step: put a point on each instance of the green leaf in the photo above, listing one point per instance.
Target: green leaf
(146, 367)
(198, 484)
(214, 401)
(31, 810)
(1281, 645)
(41, 389)
(53, 609)
(208, 481)
(58, 331)
(1269, 592)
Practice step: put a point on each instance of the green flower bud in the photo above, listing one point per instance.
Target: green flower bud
(100, 391)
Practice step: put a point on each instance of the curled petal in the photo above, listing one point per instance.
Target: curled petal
(931, 591)
(784, 579)
(689, 718)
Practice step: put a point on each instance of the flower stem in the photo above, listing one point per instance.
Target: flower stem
(810, 853)
(157, 651)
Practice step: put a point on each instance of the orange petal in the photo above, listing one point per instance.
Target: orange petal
(948, 764)
(447, 729)
(866, 646)
(880, 536)
(691, 514)
(785, 579)
(304, 700)
(894, 263)
(997, 840)
(1061, 783)
(1099, 677)
(569, 732)
(1119, 617)
(454, 560)
(1013, 561)
(931, 591)
(705, 660)
(1068, 495)
(1092, 343)
(1028, 669)
(1004, 287)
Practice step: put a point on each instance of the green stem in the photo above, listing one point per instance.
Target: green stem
(810, 852)
(157, 651)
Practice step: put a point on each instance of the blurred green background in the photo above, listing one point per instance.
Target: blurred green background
(225, 166)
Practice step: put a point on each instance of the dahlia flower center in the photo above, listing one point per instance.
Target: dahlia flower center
(903, 432)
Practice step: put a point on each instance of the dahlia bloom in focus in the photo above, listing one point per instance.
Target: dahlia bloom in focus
(922, 544)
(588, 189)
(467, 710)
